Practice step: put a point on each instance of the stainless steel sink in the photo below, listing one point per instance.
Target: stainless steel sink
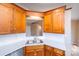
(34, 41)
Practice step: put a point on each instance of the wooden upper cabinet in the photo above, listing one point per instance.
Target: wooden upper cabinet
(19, 20)
(48, 22)
(58, 20)
(54, 21)
(5, 19)
(12, 19)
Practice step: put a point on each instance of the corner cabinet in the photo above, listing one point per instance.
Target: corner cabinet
(54, 20)
(12, 19)
(42, 50)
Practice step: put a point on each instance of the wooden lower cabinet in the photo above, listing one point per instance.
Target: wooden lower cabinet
(48, 51)
(30, 53)
(58, 52)
(37, 50)
(52, 51)
(42, 50)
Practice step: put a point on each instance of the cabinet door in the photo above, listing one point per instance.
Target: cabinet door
(58, 20)
(5, 19)
(19, 20)
(48, 22)
(31, 53)
(40, 52)
(58, 52)
(48, 51)
(36, 50)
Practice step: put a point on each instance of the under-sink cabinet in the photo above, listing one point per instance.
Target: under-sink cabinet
(42, 50)
(48, 51)
(58, 52)
(52, 51)
(37, 50)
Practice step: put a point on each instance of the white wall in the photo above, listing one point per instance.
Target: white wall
(75, 23)
(74, 31)
(28, 29)
(68, 39)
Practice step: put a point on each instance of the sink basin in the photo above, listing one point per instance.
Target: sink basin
(34, 41)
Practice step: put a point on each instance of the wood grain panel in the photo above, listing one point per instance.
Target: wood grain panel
(5, 19)
(19, 20)
(37, 50)
(48, 51)
(12, 19)
(54, 20)
(48, 23)
(58, 52)
(58, 20)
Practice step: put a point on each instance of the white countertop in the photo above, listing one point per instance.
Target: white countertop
(54, 40)
(12, 42)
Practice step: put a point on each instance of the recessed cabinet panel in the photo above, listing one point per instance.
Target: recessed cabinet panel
(37, 50)
(48, 23)
(48, 51)
(42, 50)
(12, 19)
(5, 19)
(58, 20)
(58, 52)
(19, 21)
(54, 21)
(30, 53)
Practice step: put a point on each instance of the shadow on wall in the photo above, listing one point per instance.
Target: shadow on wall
(75, 31)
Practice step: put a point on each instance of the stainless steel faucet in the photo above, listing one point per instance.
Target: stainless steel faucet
(34, 41)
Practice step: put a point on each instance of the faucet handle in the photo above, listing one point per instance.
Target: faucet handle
(41, 41)
(27, 42)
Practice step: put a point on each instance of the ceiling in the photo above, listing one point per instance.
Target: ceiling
(42, 7)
